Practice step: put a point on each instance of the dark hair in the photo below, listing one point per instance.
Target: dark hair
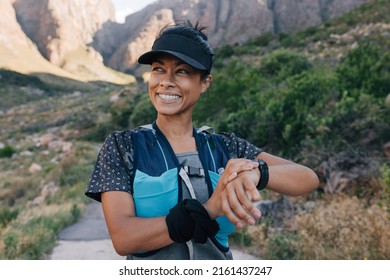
(187, 29)
(193, 32)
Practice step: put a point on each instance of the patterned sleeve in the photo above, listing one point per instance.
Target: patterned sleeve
(114, 166)
(240, 148)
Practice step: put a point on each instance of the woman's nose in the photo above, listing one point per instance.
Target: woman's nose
(167, 80)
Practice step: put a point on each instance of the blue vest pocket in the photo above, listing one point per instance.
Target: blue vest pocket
(155, 195)
(225, 226)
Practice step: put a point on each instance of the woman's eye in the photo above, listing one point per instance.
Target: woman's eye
(157, 69)
(183, 71)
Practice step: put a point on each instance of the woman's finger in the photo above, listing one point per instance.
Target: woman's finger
(228, 212)
(237, 207)
(245, 199)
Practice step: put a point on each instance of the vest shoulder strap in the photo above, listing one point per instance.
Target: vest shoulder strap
(147, 126)
(206, 129)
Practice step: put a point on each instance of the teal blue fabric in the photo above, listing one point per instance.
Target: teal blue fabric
(225, 226)
(155, 195)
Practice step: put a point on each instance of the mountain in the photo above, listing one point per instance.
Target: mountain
(18, 51)
(228, 21)
(48, 36)
(81, 40)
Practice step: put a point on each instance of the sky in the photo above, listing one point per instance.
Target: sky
(126, 7)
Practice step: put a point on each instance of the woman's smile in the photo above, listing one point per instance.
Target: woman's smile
(168, 97)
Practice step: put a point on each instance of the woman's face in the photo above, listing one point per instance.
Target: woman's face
(175, 87)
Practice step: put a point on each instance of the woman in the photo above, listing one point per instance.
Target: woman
(170, 191)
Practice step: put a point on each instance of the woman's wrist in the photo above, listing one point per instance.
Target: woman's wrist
(210, 210)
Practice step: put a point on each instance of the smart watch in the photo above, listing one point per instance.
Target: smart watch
(263, 167)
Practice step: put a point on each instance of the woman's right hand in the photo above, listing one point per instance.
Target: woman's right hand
(235, 192)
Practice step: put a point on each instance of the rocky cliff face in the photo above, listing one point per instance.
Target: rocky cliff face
(18, 52)
(54, 36)
(62, 26)
(73, 33)
(142, 39)
(228, 21)
(10, 31)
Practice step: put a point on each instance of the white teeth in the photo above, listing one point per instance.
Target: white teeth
(168, 97)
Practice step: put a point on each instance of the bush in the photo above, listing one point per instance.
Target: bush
(14, 78)
(343, 228)
(367, 69)
(282, 64)
(282, 246)
(7, 151)
(7, 215)
(143, 112)
(30, 238)
(339, 228)
(384, 180)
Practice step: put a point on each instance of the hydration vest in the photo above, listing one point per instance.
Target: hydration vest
(156, 180)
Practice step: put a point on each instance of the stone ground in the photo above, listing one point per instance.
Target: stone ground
(88, 239)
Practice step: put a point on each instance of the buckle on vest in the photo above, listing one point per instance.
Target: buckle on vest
(194, 171)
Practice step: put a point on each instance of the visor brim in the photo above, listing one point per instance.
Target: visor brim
(151, 56)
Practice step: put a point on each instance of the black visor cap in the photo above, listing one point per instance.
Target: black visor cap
(182, 48)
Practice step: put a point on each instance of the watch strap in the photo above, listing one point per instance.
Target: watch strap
(264, 176)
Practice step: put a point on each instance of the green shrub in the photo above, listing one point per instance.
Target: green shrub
(97, 133)
(367, 69)
(283, 246)
(241, 238)
(143, 112)
(7, 215)
(282, 64)
(31, 239)
(7, 151)
(385, 193)
(14, 78)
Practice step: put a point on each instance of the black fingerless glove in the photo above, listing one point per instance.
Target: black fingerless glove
(190, 220)
(180, 224)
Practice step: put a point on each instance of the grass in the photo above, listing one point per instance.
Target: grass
(338, 228)
(28, 229)
(33, 233)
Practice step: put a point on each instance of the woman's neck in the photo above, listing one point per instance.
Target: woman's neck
(178, 133)
(175, 127)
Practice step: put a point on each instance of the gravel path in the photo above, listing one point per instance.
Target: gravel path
(88, 239)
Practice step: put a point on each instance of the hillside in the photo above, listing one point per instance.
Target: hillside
(317, 96)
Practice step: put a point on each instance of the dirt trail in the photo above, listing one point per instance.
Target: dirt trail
(88, 239)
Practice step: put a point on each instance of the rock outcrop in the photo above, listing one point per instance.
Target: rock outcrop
(62, 26)
(55, 37)
(142, 39)
(18, 51)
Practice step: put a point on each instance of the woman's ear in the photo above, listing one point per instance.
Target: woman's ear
(206, 83)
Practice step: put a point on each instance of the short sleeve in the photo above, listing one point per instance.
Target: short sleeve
(240, 148)
(114, 166)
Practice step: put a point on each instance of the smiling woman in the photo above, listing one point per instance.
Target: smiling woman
(172, 191)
